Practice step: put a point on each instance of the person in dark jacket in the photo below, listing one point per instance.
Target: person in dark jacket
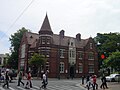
(104, 83)
(6, 79)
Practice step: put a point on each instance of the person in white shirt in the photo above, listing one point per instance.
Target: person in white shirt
(44, 82)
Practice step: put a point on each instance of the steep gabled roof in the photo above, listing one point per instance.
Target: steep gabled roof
(31, 37)
(64, 41)
(46, 28)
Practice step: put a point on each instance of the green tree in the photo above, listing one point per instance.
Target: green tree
(106, 44)
(37, 60)
(113, 61)
(15, 40)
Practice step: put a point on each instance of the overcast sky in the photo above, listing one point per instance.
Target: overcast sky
(87, 17)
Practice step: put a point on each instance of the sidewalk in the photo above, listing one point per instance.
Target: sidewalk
(111, 85)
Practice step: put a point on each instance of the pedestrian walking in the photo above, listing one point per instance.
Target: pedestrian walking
(83, 79)
(104, 83)
(7, 78)
(44, 82)
(95, 85)
(29, 83)
(20, 75)
(88, 82)
(46, 73)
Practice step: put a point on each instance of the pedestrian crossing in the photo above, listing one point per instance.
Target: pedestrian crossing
(20, 88)
(54, 87)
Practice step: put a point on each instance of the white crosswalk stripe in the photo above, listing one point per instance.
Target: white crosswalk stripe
(11, 88)
(25, 89)
(32, 89)
(49, 87)
(21, 88)
(1, 88)
(36, 87)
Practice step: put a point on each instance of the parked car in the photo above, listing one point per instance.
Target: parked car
(111, 77)
(117, 78)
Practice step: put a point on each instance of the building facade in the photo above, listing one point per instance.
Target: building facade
(2, 60)
(66, 56)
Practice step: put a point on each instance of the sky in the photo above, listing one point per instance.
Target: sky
(87, 17)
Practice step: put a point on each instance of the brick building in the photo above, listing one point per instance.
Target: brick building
(66, 56)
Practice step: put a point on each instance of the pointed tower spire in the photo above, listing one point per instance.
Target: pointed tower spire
(46, 28)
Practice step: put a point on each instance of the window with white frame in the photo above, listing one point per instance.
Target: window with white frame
(47, 66)
(90, 56)
(61, 67)
(70, 53)
(91, 68)
(80, 55)
(48, 40)
(73, 54)
(23, 51)
(47, 53)
(22, 62)
(80, 68)
(62, 53)
(43, 40)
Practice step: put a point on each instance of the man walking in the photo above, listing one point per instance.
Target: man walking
(44, 82)
(104, 83)
(20, 78)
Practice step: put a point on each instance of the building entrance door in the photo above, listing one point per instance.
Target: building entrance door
(72, 71)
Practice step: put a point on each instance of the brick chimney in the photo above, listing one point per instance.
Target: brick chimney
(62, 33)
(78, 37)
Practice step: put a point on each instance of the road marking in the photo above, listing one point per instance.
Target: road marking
(25, 89)
(32, 89)
(11, 88)
(36, 87)
(21, 88)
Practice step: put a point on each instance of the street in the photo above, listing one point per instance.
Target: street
(53, 84)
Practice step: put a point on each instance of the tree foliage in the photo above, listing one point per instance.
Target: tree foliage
(107, 43)
(113, 61)
(37, 60)
(15, 40)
